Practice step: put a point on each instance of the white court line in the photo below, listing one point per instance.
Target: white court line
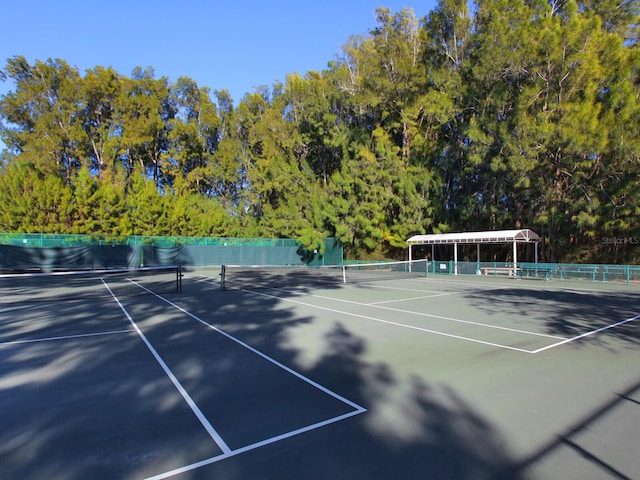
(553, 285)
(404, 289)
(66, 337)
(422, 314)
(253, 446)
(458, 337)
(192, 404)
(257, 352)
(435, 295)
(228, 452)
(592, 332)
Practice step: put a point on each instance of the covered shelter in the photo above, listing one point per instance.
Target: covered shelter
(498, 236)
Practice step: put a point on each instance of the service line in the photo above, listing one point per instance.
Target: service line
(423, 314)
(592, 332)
(65, 337)
(253, 446)
(388, 322)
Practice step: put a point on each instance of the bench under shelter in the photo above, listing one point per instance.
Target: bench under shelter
(478, 238)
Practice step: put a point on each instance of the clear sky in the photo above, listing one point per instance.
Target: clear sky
(221, 44)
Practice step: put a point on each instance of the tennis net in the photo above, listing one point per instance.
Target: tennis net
(239, 277)
(89, 284)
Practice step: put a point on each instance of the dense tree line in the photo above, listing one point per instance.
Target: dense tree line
(520, 113)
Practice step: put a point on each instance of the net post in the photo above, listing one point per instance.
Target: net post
(223, 270)
(344, 274)
(179, 278)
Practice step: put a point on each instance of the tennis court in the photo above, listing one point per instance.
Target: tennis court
(280, 376)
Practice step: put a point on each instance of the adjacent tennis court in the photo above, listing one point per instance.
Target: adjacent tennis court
(359, 373)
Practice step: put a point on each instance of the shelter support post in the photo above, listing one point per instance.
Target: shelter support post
(455, 259)
(515, 258)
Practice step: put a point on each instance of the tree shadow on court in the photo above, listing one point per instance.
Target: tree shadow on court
(99, 406)
(566, 312)
(76, 391)
(583, 441)
(411, 429)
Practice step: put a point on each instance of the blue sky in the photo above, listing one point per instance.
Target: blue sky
(237, 45)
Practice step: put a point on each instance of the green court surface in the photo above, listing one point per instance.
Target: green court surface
(414, 378)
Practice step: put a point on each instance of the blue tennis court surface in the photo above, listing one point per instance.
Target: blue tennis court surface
(413, 378)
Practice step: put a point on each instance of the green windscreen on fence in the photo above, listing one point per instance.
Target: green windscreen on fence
(50, 252)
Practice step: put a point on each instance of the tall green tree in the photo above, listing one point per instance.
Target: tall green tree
(147, 210)
(559, 127)
(42, 113)
(374, 203)
(141, 119)
(194, 135)
(443, 116)
(229, 161)
(33, 201)
(285, 197)
(525, 113)
(99, 90)
(382, 189)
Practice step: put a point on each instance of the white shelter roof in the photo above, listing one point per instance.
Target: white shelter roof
(497, 236)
